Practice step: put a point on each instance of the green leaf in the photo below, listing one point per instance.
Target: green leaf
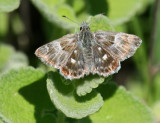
(10, 59)
(156, 88)
(17, 24)
(64, 98)
(4, 23)
(23, 97)
(100, 22)
(80, 8)
(121, 106)
(122, 10)
(156, 111)
(53, 11)
(9, 5)
(136, 87)
(3, 119)
(5, 53)
(85, 85)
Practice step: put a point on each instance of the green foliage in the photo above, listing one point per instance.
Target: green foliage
(121, 106)
(10, 59)
(3, 23)
(5, 53)
(156, 50)
(53, 11)
(9, 5)
(85, 85)
(29, 95)
(19, 96)
(156, 87)
(156, 111)
(123, 10)
(100, 22)
(65, 99)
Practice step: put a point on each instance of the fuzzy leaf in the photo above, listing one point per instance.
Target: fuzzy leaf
(121, 106)
(53, 11)
(10, 59)
(65, 99)
(3, 119)
(156, 111)
(9, 5)
(5, 53)
(122, 10)
(136, 87)
(23, 97)
(100, 22)
(85, 85)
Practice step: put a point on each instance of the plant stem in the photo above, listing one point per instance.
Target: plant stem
(153, 33)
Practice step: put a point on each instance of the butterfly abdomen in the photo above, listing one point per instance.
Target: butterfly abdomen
(86, 43)
(88, 54)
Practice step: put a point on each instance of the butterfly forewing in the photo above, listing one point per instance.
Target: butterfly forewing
(120, 45)
(56, 53)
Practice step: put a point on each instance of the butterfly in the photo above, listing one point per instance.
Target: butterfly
(79, 54)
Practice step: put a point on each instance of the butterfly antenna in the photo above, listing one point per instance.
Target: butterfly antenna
(70, 19)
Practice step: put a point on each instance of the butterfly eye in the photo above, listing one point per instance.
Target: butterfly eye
(80, 28)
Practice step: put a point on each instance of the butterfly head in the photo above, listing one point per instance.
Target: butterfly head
(84, 27)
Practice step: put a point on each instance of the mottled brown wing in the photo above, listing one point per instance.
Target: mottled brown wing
(64, 54)
(56, 53)
(75, 67)
(119, 45)
(104, 63)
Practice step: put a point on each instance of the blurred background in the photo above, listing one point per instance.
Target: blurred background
(25, 25)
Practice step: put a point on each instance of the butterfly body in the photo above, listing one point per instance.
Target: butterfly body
(86, 43)
(87, 52)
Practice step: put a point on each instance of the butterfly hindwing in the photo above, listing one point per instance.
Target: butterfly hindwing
(75, 66)
(120, 45)
(104, 63)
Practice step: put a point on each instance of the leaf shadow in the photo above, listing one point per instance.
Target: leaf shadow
(107, 90)
(92, 7)
(83, 120)
(60, 86)
(36, 94)
(68, 89)
(97, 7)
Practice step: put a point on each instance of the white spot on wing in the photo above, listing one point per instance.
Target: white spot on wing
(79, 62)
(73, 60)
(99, 59)
(99, 48)
(75, 51)
(47, 48)
(105, 57)
(57, 45)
